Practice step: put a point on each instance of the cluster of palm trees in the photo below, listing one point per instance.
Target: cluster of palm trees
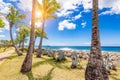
(95, 69)
(47, 9)
(14, 17)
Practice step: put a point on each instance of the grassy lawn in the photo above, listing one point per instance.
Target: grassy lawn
(5, 49)
(45, 69)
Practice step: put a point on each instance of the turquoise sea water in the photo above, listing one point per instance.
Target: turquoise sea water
(104, 48)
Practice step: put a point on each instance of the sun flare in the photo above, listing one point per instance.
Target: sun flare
(38, 14)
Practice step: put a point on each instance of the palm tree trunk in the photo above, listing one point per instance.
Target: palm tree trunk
(19, 44)
(34, 44)
(16, 49)
(23, 43)
(27, 64)
(39, 52)
(95, 69)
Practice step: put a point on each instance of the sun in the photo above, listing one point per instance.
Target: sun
(38, 14)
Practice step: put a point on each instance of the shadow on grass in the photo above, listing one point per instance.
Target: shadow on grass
(53, 63)
(46, 77)
(12, 57)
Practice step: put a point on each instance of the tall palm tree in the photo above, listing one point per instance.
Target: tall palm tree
(38, 34)
(14, 17)
(47, 9)
(23, 33)
(18, 40)
(2, 24)
(27, 64)
(95, 69)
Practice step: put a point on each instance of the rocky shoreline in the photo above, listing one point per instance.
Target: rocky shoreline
(84, 54)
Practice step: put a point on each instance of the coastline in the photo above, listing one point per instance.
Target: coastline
(84, 54)
(86, 48)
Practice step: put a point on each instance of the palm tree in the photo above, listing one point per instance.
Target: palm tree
(38, 34)
(27, 64)
(14, 17)
(47, 8)
(18, 40)
(2, 24)
(23, 33)
(95, 69)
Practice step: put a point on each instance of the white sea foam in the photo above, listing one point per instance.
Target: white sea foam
(66, 48)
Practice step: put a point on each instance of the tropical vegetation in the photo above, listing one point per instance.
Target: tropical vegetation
(2, 24)
(14, 17)
(93, 66)
(47, 9)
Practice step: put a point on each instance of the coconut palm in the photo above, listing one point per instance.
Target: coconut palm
(2, 24)
(18, 40)
(27, 64)
(14, 17)
(23, 33)
(47, 9)
(38, 34)
(95, 69)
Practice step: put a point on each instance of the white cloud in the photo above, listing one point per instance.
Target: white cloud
(68, 7)
(66, 24)
(64, 13)
(113, 5)
(25, 5)
(87, 5)
(77, 16)
(83, 24)
(4, 7)
(13, 0)
(2, 36)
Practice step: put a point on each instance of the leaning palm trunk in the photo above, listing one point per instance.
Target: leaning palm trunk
(16, 49)
(95, 68)
(39, 52)
(27, 64)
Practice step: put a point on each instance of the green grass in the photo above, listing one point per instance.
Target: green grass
(3, 49)
(45, 69)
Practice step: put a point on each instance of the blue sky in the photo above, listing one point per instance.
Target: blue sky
(74, 22)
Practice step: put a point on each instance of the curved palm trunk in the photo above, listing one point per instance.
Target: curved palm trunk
(27, 64)
(34, 44)
(39, 52)
(16, 49)
(95, 69)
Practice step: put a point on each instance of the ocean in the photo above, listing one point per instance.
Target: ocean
(103, 48)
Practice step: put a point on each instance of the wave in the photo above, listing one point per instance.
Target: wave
(66, 49)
